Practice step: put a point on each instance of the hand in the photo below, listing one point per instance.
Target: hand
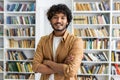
(46, 62)
(69, 59)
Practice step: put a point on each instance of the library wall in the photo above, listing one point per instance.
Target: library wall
(96, 21)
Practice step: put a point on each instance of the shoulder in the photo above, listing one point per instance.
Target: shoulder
(77, 43)
(74, 38)
(43, 39)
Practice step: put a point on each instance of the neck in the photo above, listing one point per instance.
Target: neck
(59, 33)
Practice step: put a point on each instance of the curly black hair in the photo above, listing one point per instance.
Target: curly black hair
(59, 8)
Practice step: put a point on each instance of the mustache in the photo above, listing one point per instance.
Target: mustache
(58, 23)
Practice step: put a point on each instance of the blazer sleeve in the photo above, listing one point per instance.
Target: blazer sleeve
(70, 70)
(38, 56)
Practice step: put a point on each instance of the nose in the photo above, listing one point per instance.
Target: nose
(58, 19)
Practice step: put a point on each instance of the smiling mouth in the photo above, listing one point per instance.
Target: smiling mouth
(59, 24)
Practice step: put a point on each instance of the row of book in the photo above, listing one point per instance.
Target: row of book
(104, 5)
(94, 69)
(100, 56)
(115, 78)
(92, 6)
(115, 69)
(1, 33)
(1, 30)
(87, 78)
(97, 19)
(25, 43)
(1, 19)
(17, 55)
(116, 19)
(1, 6)
(21, 7)
(115, 44)
(115, 56)
(1, 43)
(20, 76)
(29, 31)
(116, 32)
(116, 5)
(1, 69)
(21, 19)
(96, 43)
(90, 32)
(19, 67)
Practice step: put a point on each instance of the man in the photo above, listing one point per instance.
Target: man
(58, 55)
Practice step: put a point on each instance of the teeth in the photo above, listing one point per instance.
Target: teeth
(58, 24)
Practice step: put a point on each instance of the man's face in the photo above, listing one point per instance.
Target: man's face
(59, 22)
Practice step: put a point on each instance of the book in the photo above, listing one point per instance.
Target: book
(117, 68)
(87, 69)
(1, 69)
(106, 5)
(32, 76)
(12, 66)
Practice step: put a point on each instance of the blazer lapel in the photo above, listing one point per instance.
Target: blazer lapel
(50, 45)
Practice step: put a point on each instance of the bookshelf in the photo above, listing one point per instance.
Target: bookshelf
(98, 32)
(19, 38)
(92, 22)
(1, 39)
(101, 38)
(115, 38)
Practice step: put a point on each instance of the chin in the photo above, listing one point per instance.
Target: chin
(57, 29)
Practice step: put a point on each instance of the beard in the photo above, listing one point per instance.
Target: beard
(57, 29)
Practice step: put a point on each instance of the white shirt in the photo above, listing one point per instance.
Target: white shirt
(56, 41)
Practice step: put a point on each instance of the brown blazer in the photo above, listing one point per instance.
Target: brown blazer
(70, 45)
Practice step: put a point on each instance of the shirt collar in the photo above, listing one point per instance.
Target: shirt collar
(63, 37)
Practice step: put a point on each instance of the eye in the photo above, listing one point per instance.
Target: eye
(55, 17)
(63, 18)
